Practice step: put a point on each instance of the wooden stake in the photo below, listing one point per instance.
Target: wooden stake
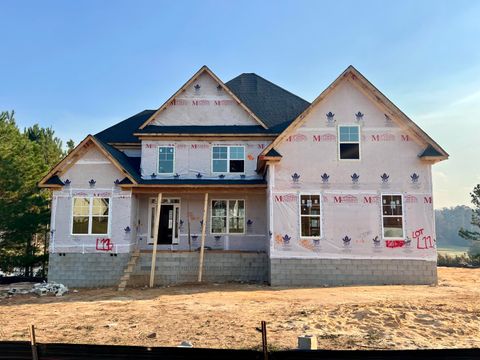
(33, 342)
(155, 238)
(264, 340)
(202, 245)
(188, 225)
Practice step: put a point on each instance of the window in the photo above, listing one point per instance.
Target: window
(90, 216)
(310, 215)
(349, 142)
(166, 158)
(228, 217)
(228, 159)
(392, 216)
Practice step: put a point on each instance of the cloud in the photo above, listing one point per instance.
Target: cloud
(474, 97)
(440, 175)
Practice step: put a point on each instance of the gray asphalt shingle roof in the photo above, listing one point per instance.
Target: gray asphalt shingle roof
(122, 132)
(271, 103)
(130, 164)
(275, 106)
(430, 151)
(273, 152)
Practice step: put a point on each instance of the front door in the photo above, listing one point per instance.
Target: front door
(168, 226)
(165, 228)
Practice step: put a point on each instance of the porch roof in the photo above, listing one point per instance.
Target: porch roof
(194, 185)
(203, 182)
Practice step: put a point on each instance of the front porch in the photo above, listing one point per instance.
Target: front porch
(197, 234)
(238, 221)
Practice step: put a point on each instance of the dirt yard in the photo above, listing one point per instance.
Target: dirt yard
(364, 317)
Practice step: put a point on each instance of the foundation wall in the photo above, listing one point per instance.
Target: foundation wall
(87, 270)
(333, 272)
(182, 267)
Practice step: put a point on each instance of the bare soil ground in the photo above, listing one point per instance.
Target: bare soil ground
(225, 316)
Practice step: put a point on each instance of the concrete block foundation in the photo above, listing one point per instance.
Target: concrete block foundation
(87, 270)
(182, 267)
(333, 272)
(102, 270)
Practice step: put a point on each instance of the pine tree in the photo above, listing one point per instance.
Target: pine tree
(24, 208)
(70, 146)
(473, 235)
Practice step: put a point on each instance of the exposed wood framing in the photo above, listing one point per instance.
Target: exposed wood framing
(270, 158)
(202, 244)
(137, 145)
(155, 238)
(197, 189)
(207, 137)
(52, 186)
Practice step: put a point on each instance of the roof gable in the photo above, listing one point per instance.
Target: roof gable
(275, 106)
(391, 111)
(119, 160)
(203, 100)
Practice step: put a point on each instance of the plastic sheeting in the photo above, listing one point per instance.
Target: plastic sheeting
(351, 227)
(195, 157)
(254, 237)
(121, 228)
(204, 103)
(351, 190)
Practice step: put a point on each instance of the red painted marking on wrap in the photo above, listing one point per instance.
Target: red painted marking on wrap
(395, 243)
(104, 244)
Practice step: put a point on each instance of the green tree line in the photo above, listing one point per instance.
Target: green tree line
(25, 157)
(447, 223)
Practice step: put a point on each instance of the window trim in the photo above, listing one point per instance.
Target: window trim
(90, 215)
(227, 159)
(402, 216)
(228, 217)
(300, 215)
(158, 159)
(350, 142)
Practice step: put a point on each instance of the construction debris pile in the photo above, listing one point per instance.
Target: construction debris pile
(40, 289)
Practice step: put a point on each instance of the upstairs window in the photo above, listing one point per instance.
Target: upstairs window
(310, 216)
(349, 142)
(228, 159)
(90, 216)
(166, 159)
(392, 216)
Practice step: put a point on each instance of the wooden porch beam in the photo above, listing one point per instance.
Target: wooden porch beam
(155, 238)
(195, 190)
(202, 244)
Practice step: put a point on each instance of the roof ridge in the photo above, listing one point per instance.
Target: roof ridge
(123, 127)
(270, 82)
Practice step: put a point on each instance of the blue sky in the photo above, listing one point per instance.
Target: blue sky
(82, 66)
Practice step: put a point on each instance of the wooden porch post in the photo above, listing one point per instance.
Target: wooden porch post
(155, 238)
(202, 244)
